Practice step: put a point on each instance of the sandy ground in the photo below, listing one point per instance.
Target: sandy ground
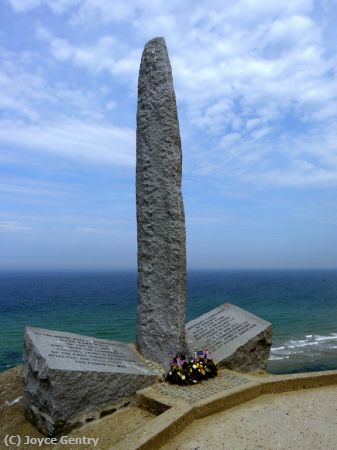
(296, 420)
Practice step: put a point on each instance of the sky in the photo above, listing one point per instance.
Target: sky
(256, 91)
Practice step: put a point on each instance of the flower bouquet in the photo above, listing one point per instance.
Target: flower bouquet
(185, 370)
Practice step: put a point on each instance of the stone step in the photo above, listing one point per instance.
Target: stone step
(109, 430)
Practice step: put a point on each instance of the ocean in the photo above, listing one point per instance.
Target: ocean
(301, 305)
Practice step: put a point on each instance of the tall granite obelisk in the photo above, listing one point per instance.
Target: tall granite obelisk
(160, 210)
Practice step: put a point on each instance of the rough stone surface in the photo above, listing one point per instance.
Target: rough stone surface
(160, 211)
(237, 339)
(70, 379)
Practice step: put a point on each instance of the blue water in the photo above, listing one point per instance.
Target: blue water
(302, 306)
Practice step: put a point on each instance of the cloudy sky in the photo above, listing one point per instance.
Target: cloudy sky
(256, 89)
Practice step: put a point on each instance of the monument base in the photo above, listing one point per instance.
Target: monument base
(71, 379)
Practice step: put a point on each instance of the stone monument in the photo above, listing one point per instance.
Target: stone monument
(70, 379)
(160, 211)
(236, 338)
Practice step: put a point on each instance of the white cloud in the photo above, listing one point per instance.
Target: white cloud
(233, 62)
(13, 227)
(285, 31)
(73, 139)
(103, 231)
(291, 160)
(20, 90)
(28, 94)
(24, 5)
(29, 186)
(103, 11)
(57, 6)
(245, 73)
(107, 54)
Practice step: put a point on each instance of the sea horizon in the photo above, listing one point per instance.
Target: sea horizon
(300, 304)
(241, 269)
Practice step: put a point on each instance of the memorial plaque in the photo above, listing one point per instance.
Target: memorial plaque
(69, 351)
(69, 378)
(224, 381)
(236, 338)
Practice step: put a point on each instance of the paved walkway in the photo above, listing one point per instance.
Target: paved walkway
(296, 420)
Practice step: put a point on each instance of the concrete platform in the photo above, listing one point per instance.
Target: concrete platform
(300, 420)
(178, 407)
(166, 416)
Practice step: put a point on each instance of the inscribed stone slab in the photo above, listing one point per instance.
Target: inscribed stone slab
(69, 351)
(69, 378)
(236, 338)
